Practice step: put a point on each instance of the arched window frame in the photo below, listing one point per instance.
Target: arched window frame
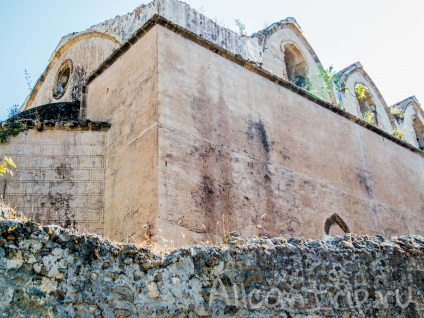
(297, 68)
(418, 126)
(367, 103)
(63, 78)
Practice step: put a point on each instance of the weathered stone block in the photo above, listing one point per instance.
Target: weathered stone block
(92, 162)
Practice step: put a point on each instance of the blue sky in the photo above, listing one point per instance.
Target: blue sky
(385, 35)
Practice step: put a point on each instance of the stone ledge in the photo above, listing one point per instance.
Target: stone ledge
(56, 116)
(54, 111)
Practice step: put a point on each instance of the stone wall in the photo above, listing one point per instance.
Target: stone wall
(51, 272)
(59, 178)
(205, 140)
(126, 96)
(203, 144)
(240, 152)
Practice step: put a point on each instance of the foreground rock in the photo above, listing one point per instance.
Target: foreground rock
(52, 272)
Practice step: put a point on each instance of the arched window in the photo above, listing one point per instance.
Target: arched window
(367, 106)
(334, 225)
(419, 132)
(62, 79)
(296, 66)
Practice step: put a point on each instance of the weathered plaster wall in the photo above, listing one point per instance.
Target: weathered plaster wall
(49, 272)
(239, 152)
(59, 177)
(126, 95)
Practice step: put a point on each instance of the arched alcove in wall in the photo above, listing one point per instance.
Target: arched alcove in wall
(296, 66)
(366, 102)
(287, 54)
(348, 79)
(334, 225)
(410, 121)
(419, 132)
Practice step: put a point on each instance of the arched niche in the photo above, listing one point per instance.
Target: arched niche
(287, 54)
(412, 121)
(373, 101)
(366, 102)
(335, 225)
(419, 132)
(296, 67)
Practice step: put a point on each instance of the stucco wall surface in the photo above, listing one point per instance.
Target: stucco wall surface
(59, 177)
(126, 95)
(50, 272)
(239, 152)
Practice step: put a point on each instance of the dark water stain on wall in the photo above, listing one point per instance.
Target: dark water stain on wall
(79, 75)
(64, 171)
(365, 180)
(256, 130)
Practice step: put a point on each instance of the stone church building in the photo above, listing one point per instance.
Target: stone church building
(162, 125)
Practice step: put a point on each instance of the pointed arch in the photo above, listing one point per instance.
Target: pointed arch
(357, 68)
(288, 23)
(366, 102)
(296, 67)
(412, 121)
(335, 219)
(418, 126)
(287, 54)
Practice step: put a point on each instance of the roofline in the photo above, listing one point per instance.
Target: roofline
(55, 57)
(288, 23)
(409, 100)
(412, 100)
(235, 58)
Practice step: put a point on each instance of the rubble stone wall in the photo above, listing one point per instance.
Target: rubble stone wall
(51, 272)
